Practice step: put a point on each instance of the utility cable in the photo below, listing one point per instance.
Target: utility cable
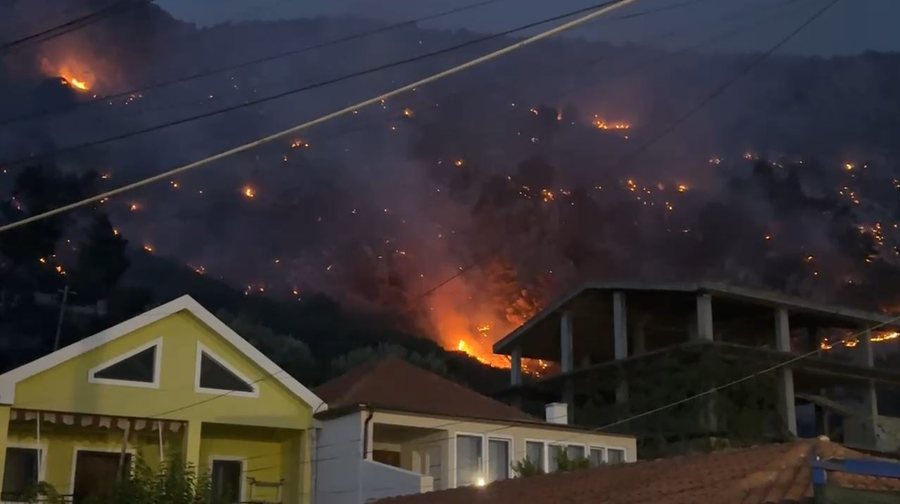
(316, 85)
(598, 12)
(71, 25)
(243, 64)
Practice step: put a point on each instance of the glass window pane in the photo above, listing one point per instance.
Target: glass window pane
(468, 460)
(20, 472)
(596, 457)
(498, 459)
(615, 455)
(553, 454)
(575, 452)
(216, 376)
(534, 452)
(137, 368)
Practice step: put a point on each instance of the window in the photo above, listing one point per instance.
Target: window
(554, 452)
(215, 375)
(468, 460)
(596, 456)
(498, 459)
(575, 452)
(615, 455)
(20, 473)
(534, 452)
(139, 367)
(226, 481)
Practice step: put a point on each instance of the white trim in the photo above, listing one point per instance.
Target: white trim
(617, 448)
(455, 467)
(9, 379)
(157, 366)
(100, 449)
(565, 445)
(242, 489)
(42, 447)
(510, 441)
(544, 444)
(604, 450)
(203, 349)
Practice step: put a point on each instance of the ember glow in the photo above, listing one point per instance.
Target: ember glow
(464, 321)
(854, 341)
(72, 72)
(603, 124)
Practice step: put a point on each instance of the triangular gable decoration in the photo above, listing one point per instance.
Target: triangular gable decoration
(215, 375)
(137, 368)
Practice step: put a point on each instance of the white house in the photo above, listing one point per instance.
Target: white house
(392, 428)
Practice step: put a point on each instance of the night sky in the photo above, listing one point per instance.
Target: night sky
(851, 27)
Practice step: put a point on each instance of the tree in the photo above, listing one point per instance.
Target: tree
(360, 356)
(288, 352)
(174, 482)
(36, 190)
(101, 260)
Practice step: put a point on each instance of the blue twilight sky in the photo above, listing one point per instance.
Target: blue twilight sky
(850, 27)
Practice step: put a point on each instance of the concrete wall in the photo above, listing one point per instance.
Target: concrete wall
(516, 434)
(380, 480)
(339, 460)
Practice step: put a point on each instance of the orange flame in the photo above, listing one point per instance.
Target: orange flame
(72, 72)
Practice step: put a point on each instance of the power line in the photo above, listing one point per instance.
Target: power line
(71, 25)
(317, 85)
(597, 12)
(247, 63)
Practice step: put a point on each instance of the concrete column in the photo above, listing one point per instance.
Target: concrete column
(515, 368)
(782, 330)
(192, 437)
(786, 400)
(569, 399)
(640, 338)
(4, 432)
(866, 357)
(620, 326)
(620, 342)
(566, 352)
(704, 317)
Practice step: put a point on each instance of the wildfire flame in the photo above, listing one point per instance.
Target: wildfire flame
(71, 72)
(603, 124)
(853, 342)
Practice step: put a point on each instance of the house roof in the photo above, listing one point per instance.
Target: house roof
(9, 379)
(768, 474)
(392, 383)
(719, 290)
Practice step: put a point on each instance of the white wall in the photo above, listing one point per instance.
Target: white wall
(338, 460)
(381, 480)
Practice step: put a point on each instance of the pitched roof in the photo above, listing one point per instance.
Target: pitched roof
(9, 379)
(768, 474)
(392, 383)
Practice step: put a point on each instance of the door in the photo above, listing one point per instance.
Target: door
(96, 474)
(226, 481)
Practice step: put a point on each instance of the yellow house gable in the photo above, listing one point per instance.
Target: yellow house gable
(175, 340)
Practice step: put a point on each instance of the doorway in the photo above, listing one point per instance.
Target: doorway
(96, 474)
(226, 481)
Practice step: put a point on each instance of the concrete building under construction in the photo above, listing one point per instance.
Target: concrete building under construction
(825, 364)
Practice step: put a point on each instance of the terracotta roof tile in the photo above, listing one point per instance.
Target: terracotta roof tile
(392, 383)
(767, 474)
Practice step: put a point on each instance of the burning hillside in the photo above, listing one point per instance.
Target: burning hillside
(463, 208)
(72, 73)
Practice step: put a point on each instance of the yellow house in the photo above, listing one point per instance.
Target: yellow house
(173, 377)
